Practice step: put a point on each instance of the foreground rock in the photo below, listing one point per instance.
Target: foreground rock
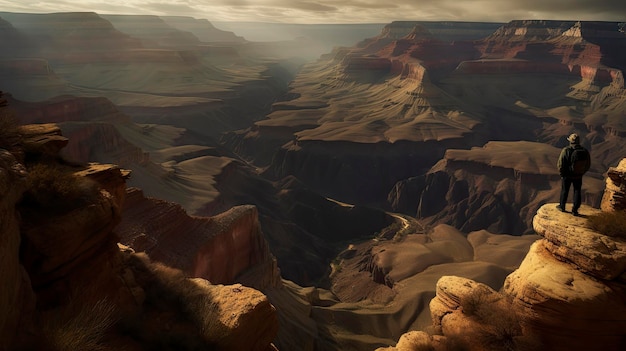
(572, 240)
(569, 292)
(547, 292)
(615, 194)
(66, 284)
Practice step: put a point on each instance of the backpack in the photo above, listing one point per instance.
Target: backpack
(579, 161)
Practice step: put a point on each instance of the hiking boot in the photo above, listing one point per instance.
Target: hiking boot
(558, 207)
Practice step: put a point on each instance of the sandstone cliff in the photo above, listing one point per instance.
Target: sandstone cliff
(395, 103)
(68, 285)
(498, 187)
(222, 249)
(567, 294)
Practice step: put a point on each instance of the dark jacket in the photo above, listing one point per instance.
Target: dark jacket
(563, 164)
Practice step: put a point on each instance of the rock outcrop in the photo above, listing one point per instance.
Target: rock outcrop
(43, 139)
(568, 293)
(67, 284)
(615, 194)
(444, 31)
(412, 96)
(487, 188)
(222, 249)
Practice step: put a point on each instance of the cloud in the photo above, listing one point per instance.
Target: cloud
(341, 11)
(311, 6)
(172, 8)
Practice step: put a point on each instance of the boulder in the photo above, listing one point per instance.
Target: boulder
(571, 239)
(244, 319)
(44, 139)
(615, 194)
(472, 313)
(566, 308)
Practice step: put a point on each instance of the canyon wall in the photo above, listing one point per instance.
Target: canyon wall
(64, 272)
(221, 249)
(372, 124)
(567, 294)
(17, 300)
(504, 180)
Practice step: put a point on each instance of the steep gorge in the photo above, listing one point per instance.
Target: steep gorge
(372, 119)
(573, 273)
(70, 285)
(335, 142)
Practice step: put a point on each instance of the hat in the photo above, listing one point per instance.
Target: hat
(573, 138)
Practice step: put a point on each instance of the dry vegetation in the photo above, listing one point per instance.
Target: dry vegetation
(502, 328)
(56, 189)
(79, 326)
(475, 303)
(173, 298)
(611, 224)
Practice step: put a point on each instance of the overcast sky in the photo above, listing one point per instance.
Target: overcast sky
(340, 11)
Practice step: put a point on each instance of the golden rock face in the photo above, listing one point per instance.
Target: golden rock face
(615, 193)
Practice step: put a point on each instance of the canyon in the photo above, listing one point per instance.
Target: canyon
(322, 197)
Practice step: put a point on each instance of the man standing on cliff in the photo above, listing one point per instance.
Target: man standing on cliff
(573, 163)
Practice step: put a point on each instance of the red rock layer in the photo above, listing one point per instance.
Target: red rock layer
(221, 249)
(68, 108)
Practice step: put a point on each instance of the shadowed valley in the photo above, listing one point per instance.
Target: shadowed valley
(306, 187)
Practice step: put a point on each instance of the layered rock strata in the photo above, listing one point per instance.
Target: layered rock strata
(412, 96)
(64, 273)
(615, 194)
(487, 188)
(567, 294)
(223, 249)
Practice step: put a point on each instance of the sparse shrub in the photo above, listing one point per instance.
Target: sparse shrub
(611, 224)
(79, 325)
(57, 189)
(502, 329)
(473, 304)
(190, 315)
(505, 328)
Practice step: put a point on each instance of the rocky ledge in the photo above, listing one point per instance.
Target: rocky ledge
(66, 284)
(223, 249)
(569, 293)
(615, 193)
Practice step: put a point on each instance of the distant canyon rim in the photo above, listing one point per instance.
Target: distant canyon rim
(369, 152)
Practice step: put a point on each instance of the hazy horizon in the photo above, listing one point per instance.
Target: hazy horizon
(339, 11)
